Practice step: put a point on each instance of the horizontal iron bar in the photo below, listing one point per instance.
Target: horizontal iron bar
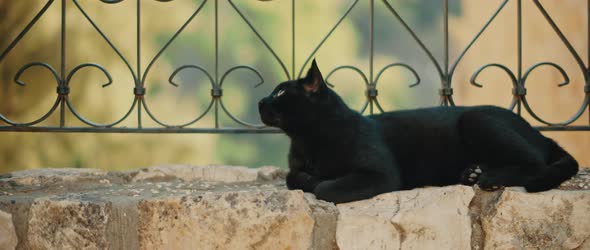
(563, 128)
(202, 130)
(141, 130)
(446, 73)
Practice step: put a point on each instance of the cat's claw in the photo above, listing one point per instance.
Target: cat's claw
(471, 175)
(474, 176)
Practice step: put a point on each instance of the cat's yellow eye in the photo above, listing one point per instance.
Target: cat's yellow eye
(280, 93)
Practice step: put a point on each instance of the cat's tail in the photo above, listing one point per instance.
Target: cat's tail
(561, 167)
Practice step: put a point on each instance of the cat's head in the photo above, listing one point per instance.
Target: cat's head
(300, 104)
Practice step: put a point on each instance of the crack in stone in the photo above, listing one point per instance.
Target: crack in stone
(398, 227)
(325, 216)
(402, 234)
(581, 244)
(483, 203)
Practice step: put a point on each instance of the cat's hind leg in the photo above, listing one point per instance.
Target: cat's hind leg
(509, 158)
(562, 166)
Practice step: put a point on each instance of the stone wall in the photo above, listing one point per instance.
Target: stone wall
(223, 207)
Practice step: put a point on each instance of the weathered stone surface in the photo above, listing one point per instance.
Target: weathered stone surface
(67, 224)
(230, 220)
(548, 220)
(202, 209)
(205, 173)
(8, 238)
(429, 218)
(270, 173)
(580, 182)
(48, 176)
(178, 207)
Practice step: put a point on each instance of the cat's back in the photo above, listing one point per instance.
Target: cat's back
(435, 123)
(442, 115)
(420, 117)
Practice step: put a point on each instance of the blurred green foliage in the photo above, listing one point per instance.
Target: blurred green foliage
(196, 45)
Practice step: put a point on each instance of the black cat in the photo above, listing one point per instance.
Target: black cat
(341, 156)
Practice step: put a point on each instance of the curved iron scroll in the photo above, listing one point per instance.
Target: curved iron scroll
(445, 69)
(518, 80)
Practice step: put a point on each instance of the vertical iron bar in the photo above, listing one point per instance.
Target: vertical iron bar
(371, 40)
(446, 34)
(293, 38)
(139, 111)
(216, 113)
(62, 82)
(63, 40)
(138, 40)
(138, 84)
(216, 43)
(445, 83)
(519, 38)
(519, 52)
(371, 51)
(62, 112)
(216, 61)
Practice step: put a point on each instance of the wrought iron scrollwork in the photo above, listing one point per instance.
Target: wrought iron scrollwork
(519, 79)
(216, 78)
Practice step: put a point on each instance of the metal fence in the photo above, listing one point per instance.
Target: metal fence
(140, 107)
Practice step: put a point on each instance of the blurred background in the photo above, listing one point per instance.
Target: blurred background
(238, 45)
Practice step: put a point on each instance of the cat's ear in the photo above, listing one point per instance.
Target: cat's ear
(314, 81)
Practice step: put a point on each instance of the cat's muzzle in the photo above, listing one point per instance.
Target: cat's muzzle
(268, 114)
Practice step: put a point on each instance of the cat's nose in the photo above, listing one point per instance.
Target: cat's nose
(262, 102)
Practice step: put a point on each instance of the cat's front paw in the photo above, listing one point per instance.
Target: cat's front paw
(308, 182)
(301, 180)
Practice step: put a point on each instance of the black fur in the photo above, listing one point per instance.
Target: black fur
(341, 156)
